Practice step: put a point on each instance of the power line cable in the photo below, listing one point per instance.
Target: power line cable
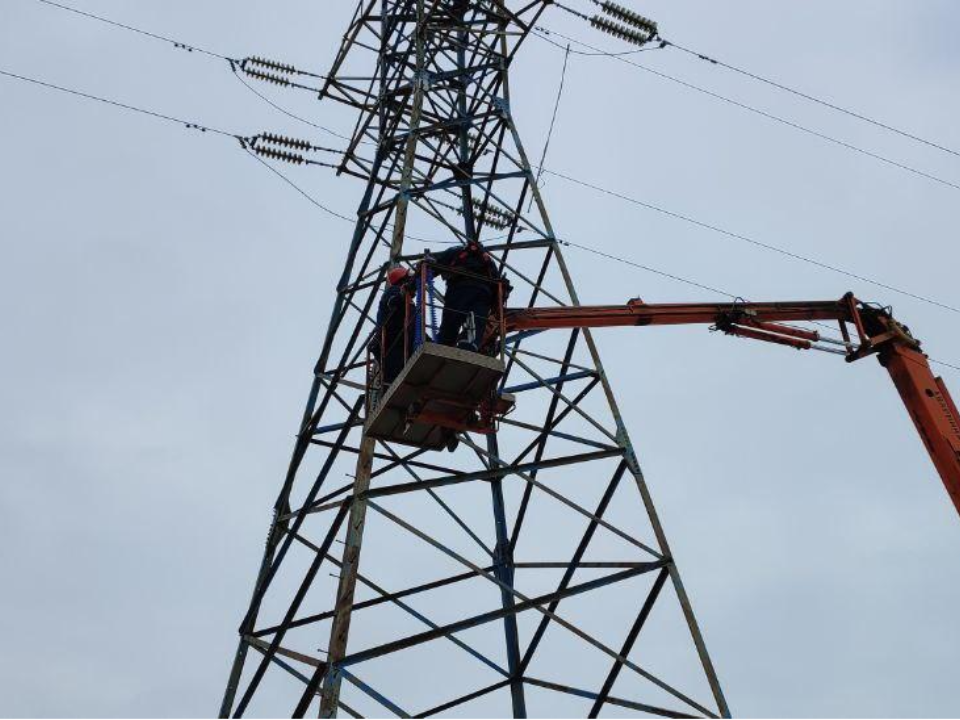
(283, 110)
(944, 364)
(299, 189)
(286, 179)
(647, 268)
(756, 111)
(553, 122)
(811, 98)
(663, 43)
(568, 243)
(752, 241)
(176, 43)
(189, 124)
(206, 128)
(234, 63)
(257, 61)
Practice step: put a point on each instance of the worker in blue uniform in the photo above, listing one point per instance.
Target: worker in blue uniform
(469, 296)
(388, 342)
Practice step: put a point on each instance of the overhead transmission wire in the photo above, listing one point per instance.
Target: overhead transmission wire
(190, 124)
(562, 241)
(627, 261)
(680, 278)
(236, 65)
(638, 21)
(638, 30)
(542, 32)
(631, 18)
(130, 28)
(813, 98)
(281, 109)
(752, 241)
(647, 268)
(233, 63)
(245, 142)
(297, 188)
(288, 181)
(655, 271)
(194, 125)
(642, 32)
(553, 122)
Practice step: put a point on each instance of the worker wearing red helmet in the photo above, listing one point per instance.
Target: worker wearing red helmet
(470, 294)
(387, 344)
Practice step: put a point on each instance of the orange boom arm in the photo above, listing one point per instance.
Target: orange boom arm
(874, 332)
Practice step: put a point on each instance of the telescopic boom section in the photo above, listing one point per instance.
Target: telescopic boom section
(865, 329)
(933, 411)
(637, 312)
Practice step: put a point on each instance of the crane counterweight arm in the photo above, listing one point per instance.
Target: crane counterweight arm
(874, 332)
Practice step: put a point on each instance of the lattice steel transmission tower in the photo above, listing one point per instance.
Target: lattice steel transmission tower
(526, 572)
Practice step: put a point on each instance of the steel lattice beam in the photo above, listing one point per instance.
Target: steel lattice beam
(437, 148)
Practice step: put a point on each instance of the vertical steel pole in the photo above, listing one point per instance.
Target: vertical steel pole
(503, 553)
(410, 149)
(340, 629)
(503, 570)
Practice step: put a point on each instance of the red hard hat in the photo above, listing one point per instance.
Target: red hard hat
(396, 275)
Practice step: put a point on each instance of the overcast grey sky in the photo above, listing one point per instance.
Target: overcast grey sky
(165, 297)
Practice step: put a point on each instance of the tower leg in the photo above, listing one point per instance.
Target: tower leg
(340, 629)
(503, 570)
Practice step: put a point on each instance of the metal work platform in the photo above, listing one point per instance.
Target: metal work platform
(438, 393)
